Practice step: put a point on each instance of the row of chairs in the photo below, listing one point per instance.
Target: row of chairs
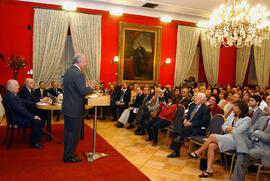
(215, 127)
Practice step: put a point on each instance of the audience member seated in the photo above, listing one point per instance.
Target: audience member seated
(239, 123)
(227, 105)
(255, 111)
(55, 91)
(235, 97)
(263, 103)
(149, 107)
(255, 145)
(113, 98)
(185, 98)
(129, 114)
(195, 123)
(21, 116)
(163, 119)
(246, 97)
(214, 108)
(122, 101)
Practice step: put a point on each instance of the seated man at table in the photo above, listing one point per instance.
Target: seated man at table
(21, 116)
(29, 100)
(55, 91)
(41, 92)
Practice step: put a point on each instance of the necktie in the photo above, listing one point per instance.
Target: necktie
(193, 113)
(266, 124)
(251, 114)
(41, 93)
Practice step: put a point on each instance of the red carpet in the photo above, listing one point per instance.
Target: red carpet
(23, 163)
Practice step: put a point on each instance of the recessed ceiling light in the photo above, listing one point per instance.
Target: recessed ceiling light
(117, 12)
(69, 6)
(166, 19)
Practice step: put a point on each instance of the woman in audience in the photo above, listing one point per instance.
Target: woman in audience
(240, 122)
(222, 98)
(212, 103)
(246, 97)
(268, 100)
(164, 118)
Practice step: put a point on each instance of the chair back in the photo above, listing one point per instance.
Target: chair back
(215, 126)
(8, 113)
(178, 118)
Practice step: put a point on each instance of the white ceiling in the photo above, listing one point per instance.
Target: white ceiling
(185, 10)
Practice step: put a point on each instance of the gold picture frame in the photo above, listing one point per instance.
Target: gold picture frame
(139, 53)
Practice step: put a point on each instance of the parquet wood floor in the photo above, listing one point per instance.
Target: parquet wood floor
(153, 161)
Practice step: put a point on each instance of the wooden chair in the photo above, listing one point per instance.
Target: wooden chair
(233, 154)
(260, 170)
(10, 126)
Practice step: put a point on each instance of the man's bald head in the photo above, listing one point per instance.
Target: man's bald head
(80, 60)
(13, 86)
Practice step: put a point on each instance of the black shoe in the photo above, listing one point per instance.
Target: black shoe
(193, 155)
(72, 160)
(173, 155)
(102, 118)
(74, 155)
(206, 175)
(114, 119)
(130, 126)
(137, 130)
(119, 125)
(37, 146)
(140, 133)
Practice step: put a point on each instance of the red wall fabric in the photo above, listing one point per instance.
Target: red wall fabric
(15, 38)
(227, 63)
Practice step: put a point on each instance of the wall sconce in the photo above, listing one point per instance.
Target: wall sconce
(166, 19)
(30, 72)
(115, 60)
(168, 61)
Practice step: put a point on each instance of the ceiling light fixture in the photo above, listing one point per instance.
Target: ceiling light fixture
(69, 6)
(117, 12)
(236, 24)
(166, 19)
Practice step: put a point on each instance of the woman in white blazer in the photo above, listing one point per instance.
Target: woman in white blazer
(239, 123)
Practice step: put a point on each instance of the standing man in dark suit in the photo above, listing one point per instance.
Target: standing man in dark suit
(21, 116)
(195, 123)
(76, 88)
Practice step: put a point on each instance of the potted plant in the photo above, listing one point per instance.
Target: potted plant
(15, 62)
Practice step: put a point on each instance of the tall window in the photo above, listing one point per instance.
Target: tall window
(252, 78)
(66, 61)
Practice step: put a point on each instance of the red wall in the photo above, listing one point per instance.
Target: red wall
(15, 38)
(227, 63)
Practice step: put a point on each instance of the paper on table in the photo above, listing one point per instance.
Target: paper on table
(42, 104)
(93, 96)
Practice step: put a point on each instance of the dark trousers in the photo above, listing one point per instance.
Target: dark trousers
(72, 128)
(114, 111)
(141, 116)
(185, 131)
(154, 125)
(240, 167)
(57, 114)
(35, 126)
(131, 117)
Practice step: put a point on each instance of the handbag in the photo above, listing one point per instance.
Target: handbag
(203, 164)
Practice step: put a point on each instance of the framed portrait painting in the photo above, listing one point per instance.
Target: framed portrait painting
(139, 53)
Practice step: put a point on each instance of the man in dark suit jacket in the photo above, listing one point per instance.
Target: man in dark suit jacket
(195, 123)
(76, 88)
(122, 101)
(41, 92)
(30, 99)
(21, 116)
(55, 91)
